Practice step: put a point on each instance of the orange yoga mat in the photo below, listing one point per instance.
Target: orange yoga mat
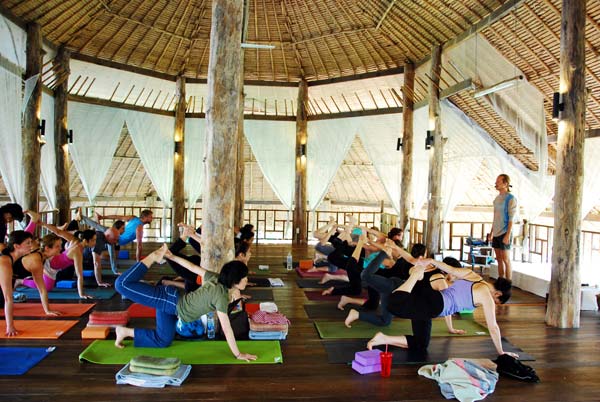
(38, 329)
(36, 309)
(137, 310)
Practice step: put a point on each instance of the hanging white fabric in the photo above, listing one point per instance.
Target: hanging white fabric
(11, 167)
(152, 136)
(30, 84)
(328, 144)
(591, 176)
(273, 144)
(379, 136)
(420, 177)
(13, 40)
(96, 131)
(195, 133)
(48, 157)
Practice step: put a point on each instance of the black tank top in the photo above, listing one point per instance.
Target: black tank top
(19, 271)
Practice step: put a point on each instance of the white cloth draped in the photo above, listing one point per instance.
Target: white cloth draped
(420, 175)
(152, 136)
(591, 176)
(195, 132)
(328, 144)
(48, 157)
(96, 131)
(273, 144)
(11, 167)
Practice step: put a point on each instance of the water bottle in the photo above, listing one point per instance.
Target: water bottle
(289, 264)
(210, 325)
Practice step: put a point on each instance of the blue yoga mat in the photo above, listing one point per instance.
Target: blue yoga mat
(105, 272)
(18, 360)
(67, 294)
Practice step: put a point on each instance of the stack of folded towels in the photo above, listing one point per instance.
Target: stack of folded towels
(108, 318)
(268, 325)
(153, 372)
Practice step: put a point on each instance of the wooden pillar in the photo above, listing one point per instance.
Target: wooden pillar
(299, 228)
(61, 146)
(436, 156)
(178, 194)
(31, 120)
(564, 299)
(407, 148)
(222, 119)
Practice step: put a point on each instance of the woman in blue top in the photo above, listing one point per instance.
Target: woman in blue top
(468, 291)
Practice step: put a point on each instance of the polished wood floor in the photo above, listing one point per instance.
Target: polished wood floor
(567, 361)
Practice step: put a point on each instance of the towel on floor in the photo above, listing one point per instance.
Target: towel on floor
(269, 307)
(126, 376)
(267, 335)
(276, 282)
(462, 379)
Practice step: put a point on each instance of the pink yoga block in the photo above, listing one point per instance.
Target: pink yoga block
(368, 357)
(375, 368)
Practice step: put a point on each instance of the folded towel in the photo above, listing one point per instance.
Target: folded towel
(161, 363)
(268, 335)
(109, 318)
(126, 376)
(269, 307)
(154, 371)
(276, 282)
(259, 327)
(263, 317)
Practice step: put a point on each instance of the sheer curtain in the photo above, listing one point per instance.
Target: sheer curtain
(48, 158)
(379, 135)
(152, 136)
(194, 159)
(591, 176)
(11, 167)
(328, 144)
(96, 131)
(273, 144)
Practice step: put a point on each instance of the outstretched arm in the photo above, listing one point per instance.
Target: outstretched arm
(197, 269)
(68, 236)
(230, 337)
(34, 266)
(6, 283)
(460, 273)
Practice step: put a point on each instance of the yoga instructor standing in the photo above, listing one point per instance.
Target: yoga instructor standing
(505, 209)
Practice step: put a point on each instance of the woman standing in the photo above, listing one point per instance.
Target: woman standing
(505, 209)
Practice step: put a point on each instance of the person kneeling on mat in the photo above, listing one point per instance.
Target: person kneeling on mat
(170, 303)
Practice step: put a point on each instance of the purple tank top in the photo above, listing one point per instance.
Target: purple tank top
(457, 297)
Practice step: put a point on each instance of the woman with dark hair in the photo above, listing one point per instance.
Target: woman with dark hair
(170, 302)
(8, 213)
(19, 244)
(422, 303)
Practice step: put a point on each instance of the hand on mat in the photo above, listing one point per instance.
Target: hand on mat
(515, 355)
(12, 332)
(103, 285)
(457, 331)
(84, 296)
(246, 356)
(53, 313)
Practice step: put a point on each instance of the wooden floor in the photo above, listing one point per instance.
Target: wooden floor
(567, 361)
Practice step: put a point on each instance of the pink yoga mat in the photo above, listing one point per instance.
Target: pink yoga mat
(318, 274)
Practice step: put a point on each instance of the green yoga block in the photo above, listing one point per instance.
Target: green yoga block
(466, 311)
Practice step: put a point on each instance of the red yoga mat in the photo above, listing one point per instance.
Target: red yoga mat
(318, 274)
(137, 310)
(36, 309)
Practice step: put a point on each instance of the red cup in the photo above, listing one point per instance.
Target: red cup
(386, 363)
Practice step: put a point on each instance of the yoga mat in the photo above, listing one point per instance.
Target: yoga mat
(190, 352)
(36, 309)
(399, 326)
(258, 282)
(67, 294)
(440, 350)
(314, 283)
(18, 361)
(315, 295)
(259, 294)
(38, 329)
(328, 311)
(137, 310)
(318, 274)
(105, 273)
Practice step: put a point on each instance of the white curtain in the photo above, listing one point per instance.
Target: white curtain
(11, 167)
(96, 131)
(48, 158)
(195, 132)
(152, 136)
(273, 144)
(591, 176)
(379, 135)
(328, 144)
(12, 42)
(420, 176)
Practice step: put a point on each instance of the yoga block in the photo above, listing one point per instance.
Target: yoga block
(123, 255)
(88, 274)
(306, 264)
(368, 357)
(109, 318)
(375, 368)
(66, 284)
(95, 332)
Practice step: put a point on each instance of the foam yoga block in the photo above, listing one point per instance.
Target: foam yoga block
(368, 357)
(66, 284)
(95, 332)
(362, 369)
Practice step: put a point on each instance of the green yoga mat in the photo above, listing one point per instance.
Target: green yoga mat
(361, 329)
(189, 352)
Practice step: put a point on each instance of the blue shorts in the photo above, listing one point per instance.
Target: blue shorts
(497, 242)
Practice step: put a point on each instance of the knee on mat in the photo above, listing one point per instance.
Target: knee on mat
(120, 285)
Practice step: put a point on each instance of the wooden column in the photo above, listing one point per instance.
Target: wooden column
(178, 195)
(299, 228)
(31, 120)
(61, 146)
(564, 300)
(407, 148)
(436, 156)
(222, 119)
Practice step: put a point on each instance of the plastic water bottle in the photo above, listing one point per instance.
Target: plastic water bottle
(289, 260)
(210, 325)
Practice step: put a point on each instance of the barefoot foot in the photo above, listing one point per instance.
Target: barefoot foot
(343, 301)
(122, 333)
(327, 292)
(352, 316)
